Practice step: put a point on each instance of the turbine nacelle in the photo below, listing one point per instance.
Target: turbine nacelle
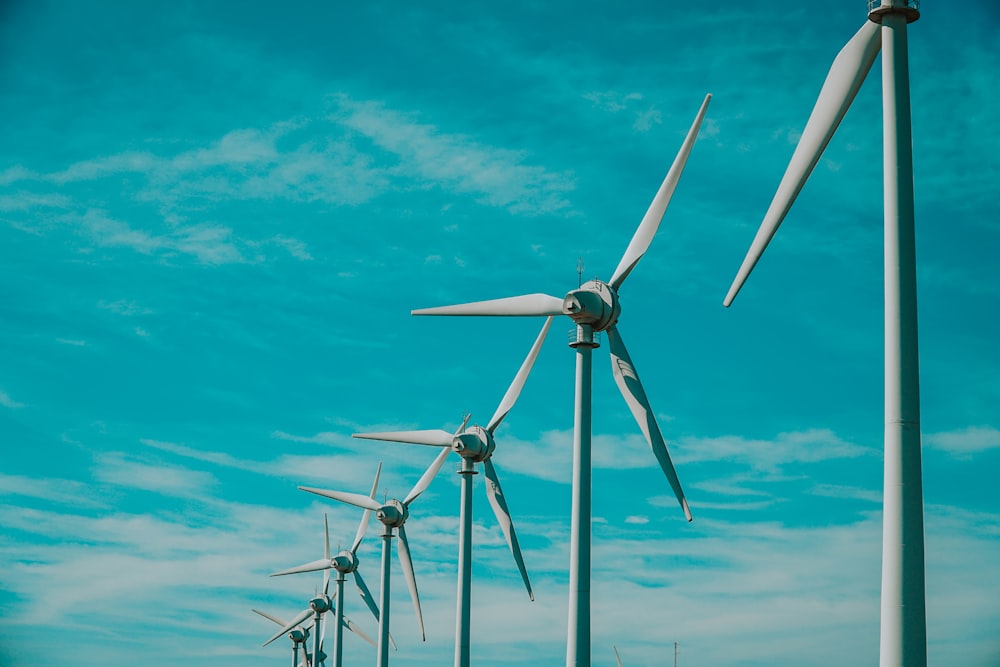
(299, 635)
(392, 514)
(474, 443)
(321, 604)
(344, 562)
(594, 303)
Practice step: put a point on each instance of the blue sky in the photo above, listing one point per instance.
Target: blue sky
(214, 224)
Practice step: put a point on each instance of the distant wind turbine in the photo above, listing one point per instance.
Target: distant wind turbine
(475, 445)
(298, 634)
(322, 603)
(594, 307)
(346, 562)
(392, 514)
(903, 638)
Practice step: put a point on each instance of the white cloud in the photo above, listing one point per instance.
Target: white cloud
(8, 402)
(499, 176)
(119, 469)
(964, 443)
(611, 100)
(125, 307)
(208, 244)
(62, 491)
(645, 120)
(549, 456)
(75, 342)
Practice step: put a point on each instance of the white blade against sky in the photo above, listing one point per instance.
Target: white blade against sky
(411, 581)
(426, 479)
(527, 305)
(366, 515)
(514, 390)
(627, 379)
(300, 618)
(431, 437)
(841, 86)
(495, 494)
(654, 214)
(356, 499)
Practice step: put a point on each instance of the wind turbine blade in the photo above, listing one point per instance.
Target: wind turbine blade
(303, 615)
(326, 554)
(842, 83)
(627, 379)
(349, 624)
(617, 657)
(522, 375)
(654, 214)
(411, 581)
(514, 306)
(313, 566)
(425, 481)
(326, 536)
(273, 619)
(499, 504)
(366, 594)
(436, 437)
(363, 526)
(355, 499)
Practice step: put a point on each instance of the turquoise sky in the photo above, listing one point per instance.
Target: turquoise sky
(215, 221)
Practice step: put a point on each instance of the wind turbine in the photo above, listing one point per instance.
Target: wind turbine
(475, 445)
(298, 634)
(323, 602)
(903, 617)
(594, 307)
(345, 562)
(392, 514)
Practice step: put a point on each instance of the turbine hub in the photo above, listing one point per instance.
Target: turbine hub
(298, 635)
(344, 562)
(594, 303)
(474, 443)
(320, 604)
(392, 514)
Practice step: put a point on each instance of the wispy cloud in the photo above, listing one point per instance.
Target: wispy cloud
(549, 456)
(497, 176)
(125, 307)
(964, 443)
(126, 471)
(208, 244)
(8, 402)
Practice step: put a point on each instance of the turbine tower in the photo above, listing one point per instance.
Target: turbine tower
(475, 445)
(903, 640)
(346, 562)
(594, 307)
(392, 514)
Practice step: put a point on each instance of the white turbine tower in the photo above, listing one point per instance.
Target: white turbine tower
(322, 603)
(392, 514)
(475, 445)
(345, 562)
(594, 307)
(903, 619)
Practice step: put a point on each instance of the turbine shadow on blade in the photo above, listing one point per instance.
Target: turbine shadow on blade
(476, 444)
(903, 624)
(594, 306)
(393, 515)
